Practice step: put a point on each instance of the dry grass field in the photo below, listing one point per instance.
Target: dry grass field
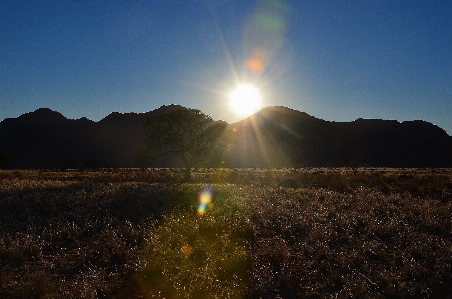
(266, 233)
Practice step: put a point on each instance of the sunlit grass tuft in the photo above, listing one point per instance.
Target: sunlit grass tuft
(192, 256)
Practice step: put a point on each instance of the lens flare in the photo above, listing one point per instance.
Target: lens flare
(205, 197)
(264, 33)
(255, 65)
(201, 209)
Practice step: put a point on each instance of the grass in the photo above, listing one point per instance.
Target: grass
(268, 233)
(188, 256)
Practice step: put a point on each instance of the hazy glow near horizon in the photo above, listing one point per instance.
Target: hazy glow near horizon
(245, 99)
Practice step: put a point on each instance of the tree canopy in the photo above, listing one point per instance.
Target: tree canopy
(187, 133)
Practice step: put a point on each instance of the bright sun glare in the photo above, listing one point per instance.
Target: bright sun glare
(245, 99)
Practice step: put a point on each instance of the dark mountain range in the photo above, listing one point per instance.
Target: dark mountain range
(46, 139)
(279, 136)
(273, 137)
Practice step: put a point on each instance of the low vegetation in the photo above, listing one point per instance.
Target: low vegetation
(264, 233)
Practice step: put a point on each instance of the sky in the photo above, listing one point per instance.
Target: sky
(337, 60)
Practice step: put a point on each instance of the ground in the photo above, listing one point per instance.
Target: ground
(263, 233)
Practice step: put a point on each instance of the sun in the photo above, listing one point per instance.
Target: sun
(245, 99)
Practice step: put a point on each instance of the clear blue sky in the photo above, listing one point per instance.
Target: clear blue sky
(337, 60)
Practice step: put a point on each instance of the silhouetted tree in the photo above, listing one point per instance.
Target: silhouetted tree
(187, 133)
(5, 161)
(354, 164)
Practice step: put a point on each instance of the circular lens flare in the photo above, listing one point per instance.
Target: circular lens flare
(205, 197)
(255, 65)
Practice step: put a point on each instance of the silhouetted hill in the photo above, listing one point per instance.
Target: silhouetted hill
(279, 137)
(273, 137)
(46, 139)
